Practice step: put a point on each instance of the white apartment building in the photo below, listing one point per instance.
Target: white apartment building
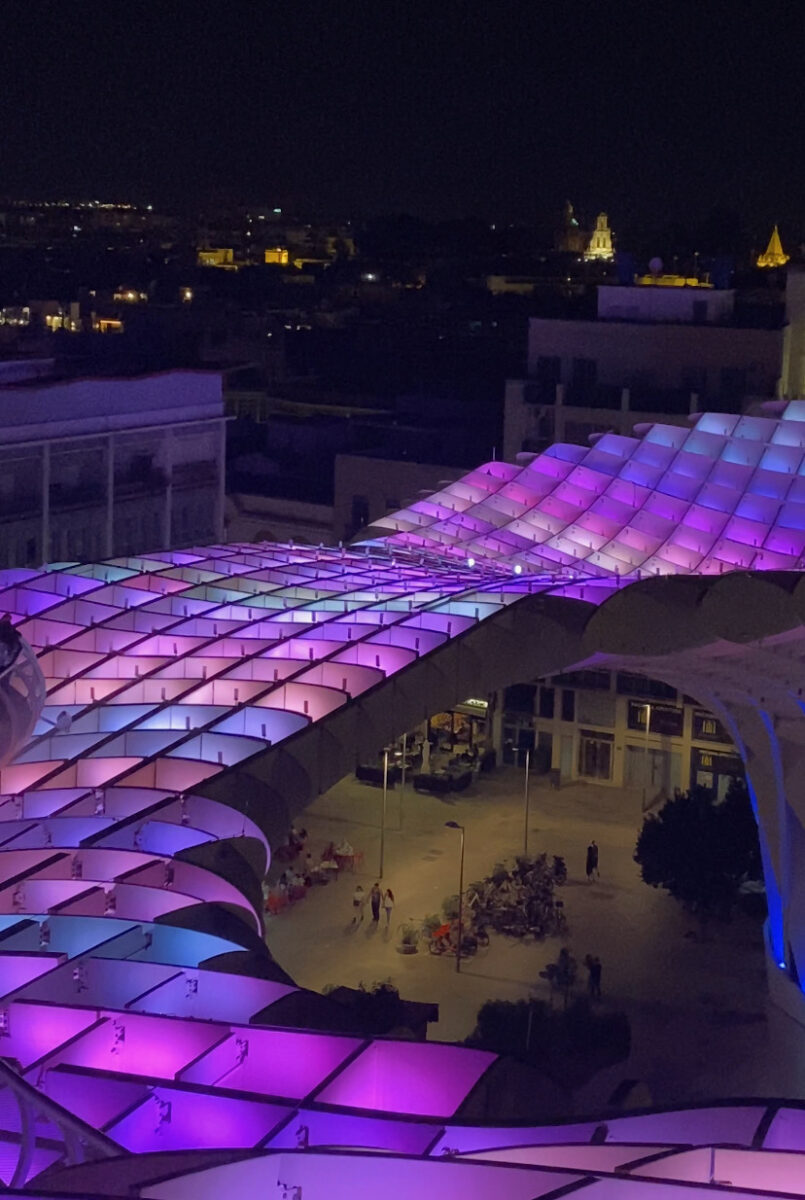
(654, 353)
(101, 467)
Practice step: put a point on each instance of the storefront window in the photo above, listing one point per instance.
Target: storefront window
(664, 719)
(595, 755)
(707, 728)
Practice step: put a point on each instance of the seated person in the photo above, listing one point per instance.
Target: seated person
(441, 935)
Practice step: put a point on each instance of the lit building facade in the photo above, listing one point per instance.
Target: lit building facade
(616, 729)
(774, 255)
(599, 248)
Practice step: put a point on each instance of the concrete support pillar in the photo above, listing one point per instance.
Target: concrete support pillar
(167, 516)
(559, 413)
(221, 498)
(110, 496)
(46, 502)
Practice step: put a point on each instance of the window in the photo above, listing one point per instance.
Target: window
(520, 698)
(595, 754)
(548, 373)
(694, 379)
(597, 680)
(549, 366)
(360, 511)
(733, 382)
(543, 754)
(584, 373)
(639, 685)
(664, 719)
(568, 705)
(595, 708)
(706, 728)
(546, 698)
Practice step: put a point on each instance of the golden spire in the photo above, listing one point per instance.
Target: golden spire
(775, 256)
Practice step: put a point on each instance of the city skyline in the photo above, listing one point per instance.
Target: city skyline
(649, 114)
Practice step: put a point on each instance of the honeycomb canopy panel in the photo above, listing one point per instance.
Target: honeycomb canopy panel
(145, 1030)
(727, 494)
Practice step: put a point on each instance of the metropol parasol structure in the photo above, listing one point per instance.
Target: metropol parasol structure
(163, 718)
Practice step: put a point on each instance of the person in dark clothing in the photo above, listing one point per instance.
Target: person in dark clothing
(375, 896)
(593, 965)
(595, 979)
(592, 859)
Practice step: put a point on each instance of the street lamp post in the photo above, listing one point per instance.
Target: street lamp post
(460, 828)
(525, 802)
(383, 811)
(646, 756)
(402, 779)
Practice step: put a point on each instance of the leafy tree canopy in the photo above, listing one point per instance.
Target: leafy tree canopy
(700, 849)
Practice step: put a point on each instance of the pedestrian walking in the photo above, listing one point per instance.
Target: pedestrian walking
(375, 896)
(592, 860)
(358, 901)
(595, 979)
(388, 904)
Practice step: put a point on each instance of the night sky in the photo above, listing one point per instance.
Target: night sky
(653, 111)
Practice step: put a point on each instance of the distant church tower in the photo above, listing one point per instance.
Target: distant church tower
(600, 247)
(775, 256)
(571, 238)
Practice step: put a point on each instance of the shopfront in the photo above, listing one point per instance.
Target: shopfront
(715, 770)
(462, 728)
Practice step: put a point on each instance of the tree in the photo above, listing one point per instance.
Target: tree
(701, 850)
(569, 1046)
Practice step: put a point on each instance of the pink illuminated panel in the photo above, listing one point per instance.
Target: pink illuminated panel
(129, 1044)
(272, 1062)
(415, 1078)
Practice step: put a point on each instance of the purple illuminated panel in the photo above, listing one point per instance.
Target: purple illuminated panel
(96, 1099)
(35, 1031)
(214, 995)
(339, 1129)
(415, 1078)
(17, 970)
(273, 1063)
(169, 1119)
(129, 1044)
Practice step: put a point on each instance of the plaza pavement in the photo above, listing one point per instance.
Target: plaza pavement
(702, 1026)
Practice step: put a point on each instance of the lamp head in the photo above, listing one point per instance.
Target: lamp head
(452, 825)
